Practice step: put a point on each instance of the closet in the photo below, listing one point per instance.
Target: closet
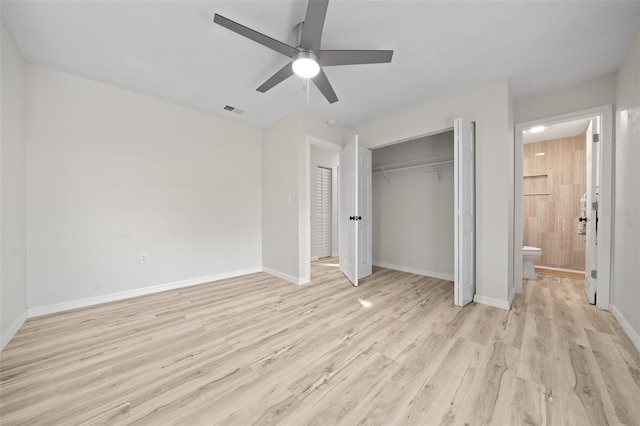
(413, 206)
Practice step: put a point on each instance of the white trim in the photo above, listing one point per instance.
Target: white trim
(635, 338)
(314, 258)
(334, 254)
(283, 276)
(490, 301)
(304, 213)
(412, 138)
(605, 221)
(321, 143)
(605, 226)
(90, 301)
(416, 271)
(13, 329)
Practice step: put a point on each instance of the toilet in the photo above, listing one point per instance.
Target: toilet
(530, 255)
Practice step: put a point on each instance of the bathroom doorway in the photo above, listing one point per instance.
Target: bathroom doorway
(563, 185)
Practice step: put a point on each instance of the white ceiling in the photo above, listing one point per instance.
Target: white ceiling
(557, 131)
(173, 50)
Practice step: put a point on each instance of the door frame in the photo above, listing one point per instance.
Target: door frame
(605, 224)
(304, 212)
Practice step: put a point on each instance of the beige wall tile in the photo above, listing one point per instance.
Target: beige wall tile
(551, 220)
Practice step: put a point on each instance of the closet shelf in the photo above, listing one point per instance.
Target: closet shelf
(405, 166)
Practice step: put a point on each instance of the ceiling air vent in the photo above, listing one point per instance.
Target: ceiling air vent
(233, 109)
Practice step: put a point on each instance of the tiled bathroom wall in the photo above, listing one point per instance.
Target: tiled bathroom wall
(553, 184)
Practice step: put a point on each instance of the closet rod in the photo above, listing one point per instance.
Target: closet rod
(385, 170)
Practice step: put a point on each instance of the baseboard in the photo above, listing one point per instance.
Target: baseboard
(490, 301)
(90, 301)
(13, 329)
(314, 258)
(282, 275)
(633, 335)
(560, 272)
(512, 293)
(334, 254)
(414, 270)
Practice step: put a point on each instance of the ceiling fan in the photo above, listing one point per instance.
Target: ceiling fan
(307, 59)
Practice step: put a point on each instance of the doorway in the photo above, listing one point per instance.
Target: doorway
(563, 168)
(317, 153)
(555, 195)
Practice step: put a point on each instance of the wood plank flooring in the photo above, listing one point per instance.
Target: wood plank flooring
(257, 350)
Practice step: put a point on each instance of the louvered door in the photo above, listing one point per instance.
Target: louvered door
(323, 203)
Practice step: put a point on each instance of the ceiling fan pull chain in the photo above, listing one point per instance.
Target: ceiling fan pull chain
(307, 91)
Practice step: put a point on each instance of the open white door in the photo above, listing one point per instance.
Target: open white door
(354, 218)
(591, 261)
(365, 253)
(347, 209)
(464, 200)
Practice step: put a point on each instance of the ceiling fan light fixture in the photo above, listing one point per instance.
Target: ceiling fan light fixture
(305, 64)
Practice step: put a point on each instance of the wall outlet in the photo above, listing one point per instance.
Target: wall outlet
(144, 257)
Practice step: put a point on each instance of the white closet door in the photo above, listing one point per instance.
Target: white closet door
(348, 211)
(354, 218)
(323, 215)
(464, 182)
(365, 254)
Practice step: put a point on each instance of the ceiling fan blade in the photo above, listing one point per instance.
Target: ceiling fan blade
(354, 57)
(313, 23)
(264, 40)
(322, 82)
(277, 78)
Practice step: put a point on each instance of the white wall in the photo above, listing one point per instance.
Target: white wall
(321, 157)
(577, 97)
(280, 199)
(112, 173)
(626, 264)
(488, 107)
(13, 284)
(286, 225)
(413, 213)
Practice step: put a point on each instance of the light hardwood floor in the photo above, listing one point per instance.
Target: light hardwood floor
(257, 350)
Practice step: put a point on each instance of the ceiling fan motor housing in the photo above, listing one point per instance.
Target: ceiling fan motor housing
(305, 64)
